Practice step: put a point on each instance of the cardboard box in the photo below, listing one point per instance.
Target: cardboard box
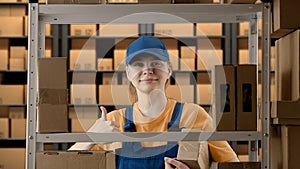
(286, 109)
(4, 128)
(114, 94)
(82, 59)
(52, 96)
(4, 111)
(239, 165)
(4, 44)
(81, 125)
(187, 64)
(174, 58)
(225, 89)
(16, 112)
(109, 78)
(52, 118)
(110, 160)
(75, 160)
(105, 64)
(4, 10)
(47, 29)
(25, 23)
(3, 60)
(188, 52)
(84, 112)
(17, 51)
(275, 147)
(11, 94)
(18, 10)
(16, 64)
(287, 67)
(204, 93)
(194, 154)
(18, 128)
(184, 93)
(119, 59)
(244, 28)
(246, 76)
(177, 30)
(12, 158)
(209, 29)
(52, 73)
(244, 57)
(290, 148)
(182, 78)
(207, 59)
(225, 97)
(285, 17)
(83, 94)
(125, 80)
(118, 30)
(83, 29)
(8, 28)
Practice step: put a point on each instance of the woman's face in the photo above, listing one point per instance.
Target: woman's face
(148, 73)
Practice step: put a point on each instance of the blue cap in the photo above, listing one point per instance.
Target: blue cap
(148, 45)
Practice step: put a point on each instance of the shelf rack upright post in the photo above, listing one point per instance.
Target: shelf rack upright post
(40, 14)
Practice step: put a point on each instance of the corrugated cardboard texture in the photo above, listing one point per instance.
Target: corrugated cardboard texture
(287, 67)
(246, 97)
(290, 146)
(12, 158)
(285, 17)
(53, 96)
(75, 160)
(52, 73)
(285, 109)
(275, 147)
(194, 154)
(52, 118)
(225, 97)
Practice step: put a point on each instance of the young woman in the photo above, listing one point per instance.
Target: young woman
(148, 70)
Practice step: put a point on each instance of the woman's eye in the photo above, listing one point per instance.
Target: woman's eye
(138, 64)
(155, 64)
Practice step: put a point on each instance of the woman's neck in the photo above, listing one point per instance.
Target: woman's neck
(151, 105)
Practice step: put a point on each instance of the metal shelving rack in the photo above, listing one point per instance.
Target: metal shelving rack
(40, 14)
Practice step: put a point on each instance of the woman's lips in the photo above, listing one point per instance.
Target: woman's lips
(148, 80)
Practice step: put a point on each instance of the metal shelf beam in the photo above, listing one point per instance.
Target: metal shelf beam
(148, 136)
(166, 13)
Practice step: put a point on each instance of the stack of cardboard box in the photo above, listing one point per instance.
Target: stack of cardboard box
(285, 111)
(236, 97)
(52, 95)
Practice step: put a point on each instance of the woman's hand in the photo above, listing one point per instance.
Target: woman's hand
(102, 125)
(171, 163)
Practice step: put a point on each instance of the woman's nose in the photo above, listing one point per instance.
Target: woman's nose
(148, 71)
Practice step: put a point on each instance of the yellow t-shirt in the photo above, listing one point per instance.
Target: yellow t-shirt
(193, 116)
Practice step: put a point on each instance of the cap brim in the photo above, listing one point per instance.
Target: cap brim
(159, 53)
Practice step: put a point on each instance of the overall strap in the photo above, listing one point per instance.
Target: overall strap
(129, 125)
(173, 125)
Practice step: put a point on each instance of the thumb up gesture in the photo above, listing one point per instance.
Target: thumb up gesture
(102, 125)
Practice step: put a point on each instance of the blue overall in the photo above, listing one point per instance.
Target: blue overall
(133, 156)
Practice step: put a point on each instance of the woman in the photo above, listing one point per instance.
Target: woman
(148, 69)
